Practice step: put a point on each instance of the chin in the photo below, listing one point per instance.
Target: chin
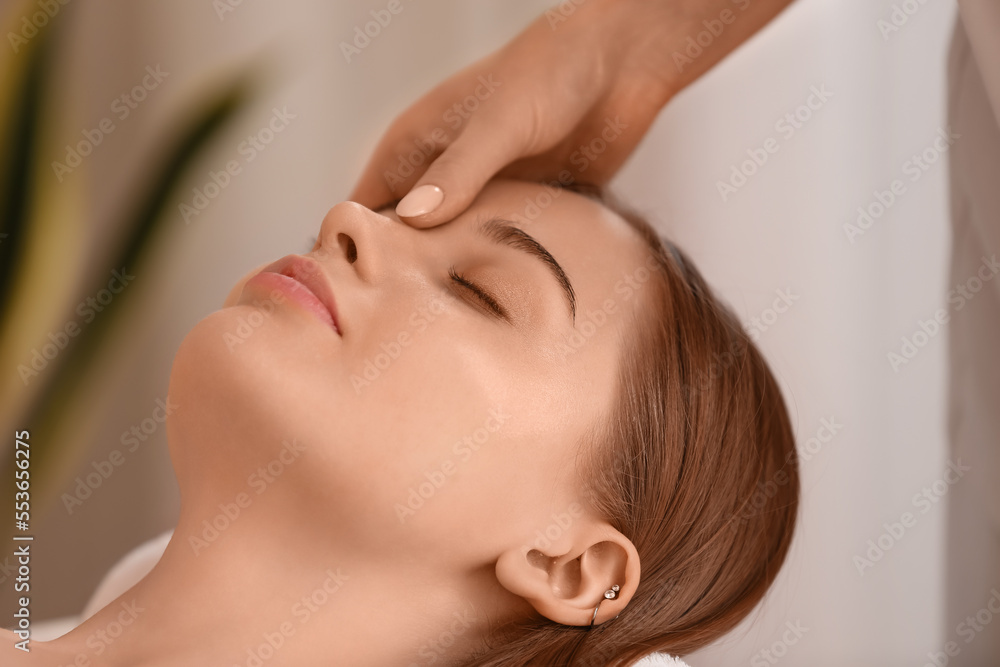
(237, 385)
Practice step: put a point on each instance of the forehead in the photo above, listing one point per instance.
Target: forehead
(608, 264)
(596, 247)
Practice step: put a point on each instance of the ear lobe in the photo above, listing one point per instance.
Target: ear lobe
(566, 580)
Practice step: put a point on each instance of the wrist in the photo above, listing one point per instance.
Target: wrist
(638, 37)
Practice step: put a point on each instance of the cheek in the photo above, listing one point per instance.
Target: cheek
(407, 416)
(245, 377)
(417, 398)
(445, 454)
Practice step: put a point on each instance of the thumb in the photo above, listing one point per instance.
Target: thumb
(456, 177)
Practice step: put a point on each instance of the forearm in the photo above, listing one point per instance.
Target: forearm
(674, 42)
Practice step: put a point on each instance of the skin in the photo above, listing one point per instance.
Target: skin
(471, 556)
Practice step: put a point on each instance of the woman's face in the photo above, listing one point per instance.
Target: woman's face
(428, 416)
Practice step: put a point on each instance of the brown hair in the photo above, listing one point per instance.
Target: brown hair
(696, 465)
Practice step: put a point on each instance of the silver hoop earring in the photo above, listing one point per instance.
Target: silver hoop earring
(609, 594)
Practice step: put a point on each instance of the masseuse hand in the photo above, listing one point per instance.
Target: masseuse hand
(568, 99)
(571, 96)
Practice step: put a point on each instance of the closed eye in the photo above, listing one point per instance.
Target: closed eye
(484, 298)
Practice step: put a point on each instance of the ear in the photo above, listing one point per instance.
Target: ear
(234, 294)
(565, 580)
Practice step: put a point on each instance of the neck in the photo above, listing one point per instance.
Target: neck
(254, 596)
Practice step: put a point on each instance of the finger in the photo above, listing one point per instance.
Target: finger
(456, 177)
(402, 155)
(387, 176)
(370, 190)
(598, 147)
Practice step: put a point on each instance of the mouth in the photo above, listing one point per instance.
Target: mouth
(309, 286)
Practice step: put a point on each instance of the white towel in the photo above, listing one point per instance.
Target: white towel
(137, 563)
(660, 660)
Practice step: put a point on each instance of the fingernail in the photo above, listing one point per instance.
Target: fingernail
(419, 201)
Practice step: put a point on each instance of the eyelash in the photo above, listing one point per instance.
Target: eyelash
(487, 300)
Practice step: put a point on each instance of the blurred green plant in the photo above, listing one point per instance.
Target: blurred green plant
(24, 82)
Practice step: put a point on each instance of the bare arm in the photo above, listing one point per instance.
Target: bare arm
(692, 36)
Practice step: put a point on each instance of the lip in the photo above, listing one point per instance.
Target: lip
(308, 273)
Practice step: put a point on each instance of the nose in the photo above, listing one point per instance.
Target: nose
(357, 235)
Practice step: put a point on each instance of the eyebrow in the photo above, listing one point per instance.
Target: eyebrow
(503, 232)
